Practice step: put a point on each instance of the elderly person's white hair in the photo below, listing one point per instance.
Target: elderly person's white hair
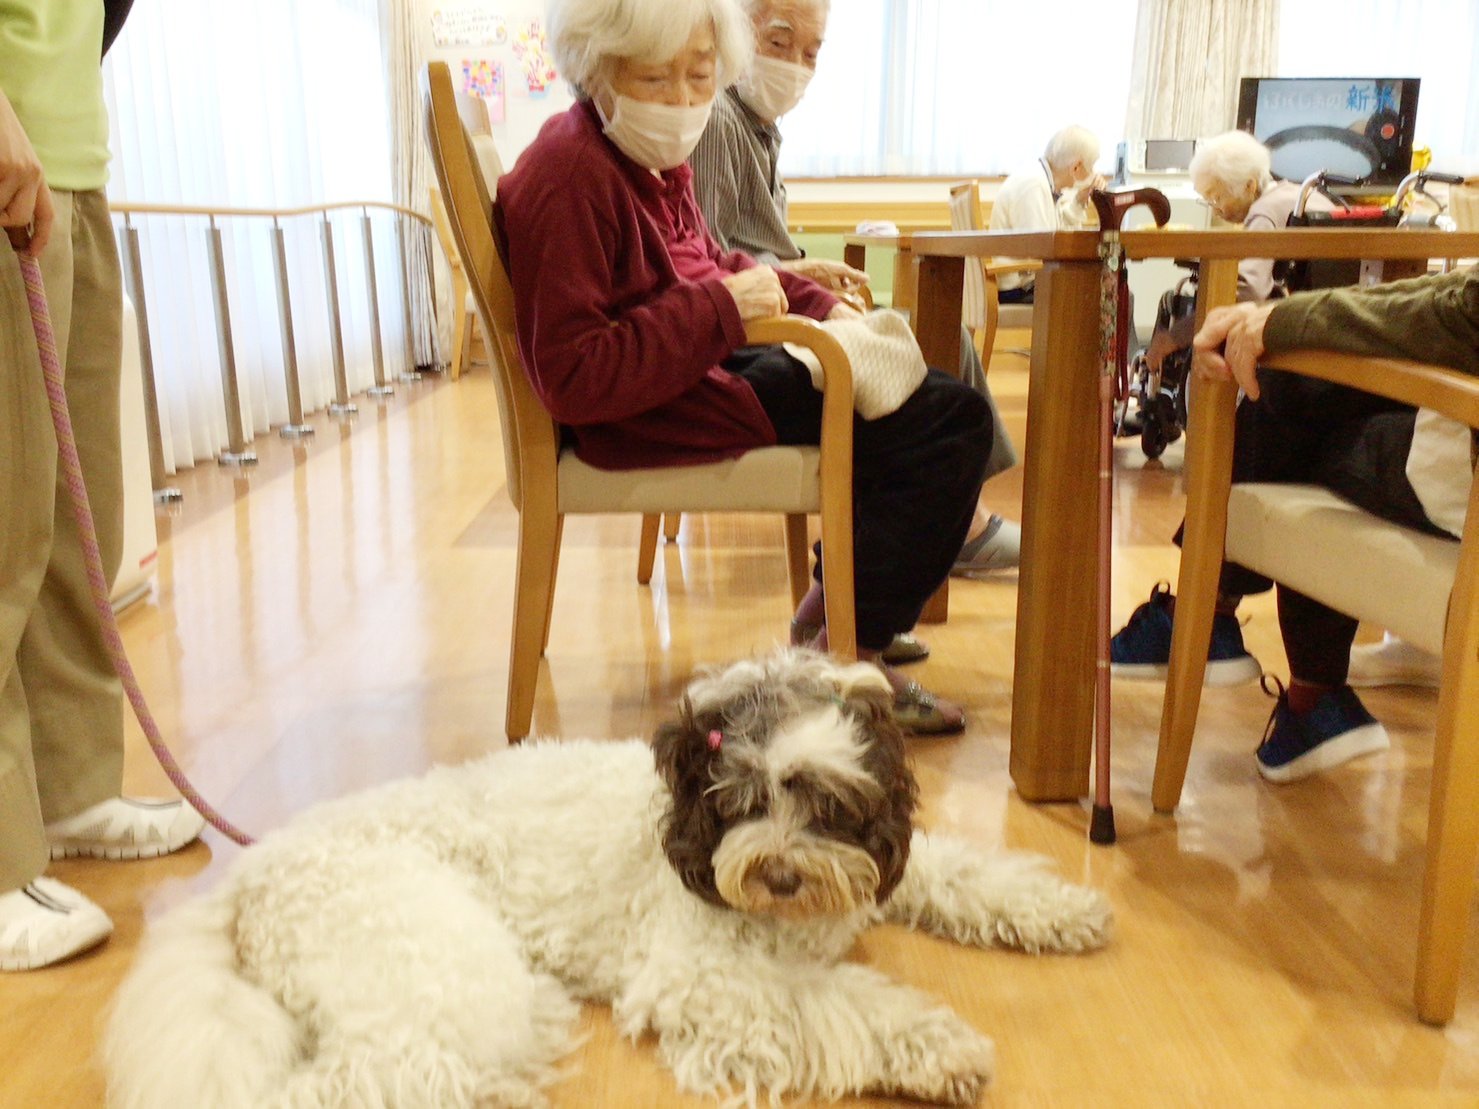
(1234, 160)
(589, 34)
(1071, 144)
(756, 8)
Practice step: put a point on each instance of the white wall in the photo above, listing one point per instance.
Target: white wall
(523, 111)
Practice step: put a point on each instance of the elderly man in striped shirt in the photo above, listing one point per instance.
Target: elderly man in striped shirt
(743, 200)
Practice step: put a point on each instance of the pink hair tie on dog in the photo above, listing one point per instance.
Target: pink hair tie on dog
(716, 739)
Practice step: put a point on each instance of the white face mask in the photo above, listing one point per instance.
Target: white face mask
(772, 87)
(657, 136)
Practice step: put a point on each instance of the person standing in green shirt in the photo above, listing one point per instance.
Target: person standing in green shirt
(61, 709)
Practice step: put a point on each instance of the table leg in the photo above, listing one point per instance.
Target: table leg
(1053, 680)
(906, 280)
(855, 255)
(936, 319)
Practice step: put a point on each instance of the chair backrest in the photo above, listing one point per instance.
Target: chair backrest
(530, 439)
(444, 229)
(485, 153)
(473, 111)
(1463, 205)
(965, 215)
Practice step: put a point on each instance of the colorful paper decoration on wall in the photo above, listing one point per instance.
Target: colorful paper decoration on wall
(485, 79)
(470, 25)
(534, 57)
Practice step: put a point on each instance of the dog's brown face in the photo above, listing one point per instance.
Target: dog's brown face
(791, 794)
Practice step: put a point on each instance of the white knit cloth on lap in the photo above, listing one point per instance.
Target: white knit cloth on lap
(886, 363)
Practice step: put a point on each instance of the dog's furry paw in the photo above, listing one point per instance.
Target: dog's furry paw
(954, 890)
(1045, 913)
(941, 1059)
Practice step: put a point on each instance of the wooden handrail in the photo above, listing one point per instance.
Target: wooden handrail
(1447, 392)
(130, 208)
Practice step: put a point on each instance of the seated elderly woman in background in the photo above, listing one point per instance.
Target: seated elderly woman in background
(630, 318)
(1233, 173)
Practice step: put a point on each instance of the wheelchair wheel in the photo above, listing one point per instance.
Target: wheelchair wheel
(1153, 437)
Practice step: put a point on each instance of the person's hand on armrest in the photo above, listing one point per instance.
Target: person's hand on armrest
(837, 276)
(1230, 343)
(757, 293)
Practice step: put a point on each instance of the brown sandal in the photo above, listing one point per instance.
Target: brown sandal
(917, 711)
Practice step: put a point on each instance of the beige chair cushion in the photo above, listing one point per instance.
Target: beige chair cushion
(1395, 577)
(1014, 315)
(770, 479)
(489, 163)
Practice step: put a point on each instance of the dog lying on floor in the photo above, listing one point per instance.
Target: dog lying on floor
(422, 944)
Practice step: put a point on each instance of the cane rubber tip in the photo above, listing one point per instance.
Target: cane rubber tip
(1101, 824)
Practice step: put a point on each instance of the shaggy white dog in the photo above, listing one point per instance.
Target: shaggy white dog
(420, 945)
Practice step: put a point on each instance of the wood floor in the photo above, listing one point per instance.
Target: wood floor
(342, 617)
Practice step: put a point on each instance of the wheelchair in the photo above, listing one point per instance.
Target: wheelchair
(1160, 398)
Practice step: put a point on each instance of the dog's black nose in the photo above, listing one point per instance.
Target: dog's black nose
(779, 879)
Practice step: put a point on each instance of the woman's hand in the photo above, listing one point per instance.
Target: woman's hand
(1230, 343)
(844, 311)
(837, 276)
(757, 293)
(25, 201)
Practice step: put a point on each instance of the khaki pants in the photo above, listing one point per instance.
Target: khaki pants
(61, 710)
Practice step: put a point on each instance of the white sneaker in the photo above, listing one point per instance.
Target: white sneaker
(45, 922)
(123, 828)
(1393, 661)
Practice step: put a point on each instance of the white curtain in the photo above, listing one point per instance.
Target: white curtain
(1434, 40)
(277, 103)
(1188, 58)
(959, 86)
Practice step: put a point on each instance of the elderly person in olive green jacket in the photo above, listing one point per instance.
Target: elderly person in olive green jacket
(1399, 463)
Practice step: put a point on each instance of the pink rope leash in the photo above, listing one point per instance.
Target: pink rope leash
(72, 473)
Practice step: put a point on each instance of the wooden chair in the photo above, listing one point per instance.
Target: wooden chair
(982, 310)
(1422, 587)
(545, 484)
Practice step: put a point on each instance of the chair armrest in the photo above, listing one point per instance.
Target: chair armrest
(1445, 391)
(806, 332)
(836, 462)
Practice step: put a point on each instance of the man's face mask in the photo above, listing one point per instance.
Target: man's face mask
(657, 136)
(772, 87)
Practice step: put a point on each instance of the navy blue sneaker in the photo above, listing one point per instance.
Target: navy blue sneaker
(1338, 729)
(1141, 650)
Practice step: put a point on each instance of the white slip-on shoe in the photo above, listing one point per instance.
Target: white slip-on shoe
(1393, 661)
(124, 828)
(997, 548)
(45, 922)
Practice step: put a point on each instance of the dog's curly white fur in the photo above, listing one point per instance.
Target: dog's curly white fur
(422, 944)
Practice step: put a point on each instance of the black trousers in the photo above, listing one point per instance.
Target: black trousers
(917, 473)
(1305, 431)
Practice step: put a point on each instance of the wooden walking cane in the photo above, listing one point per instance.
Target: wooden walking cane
(1114, 333)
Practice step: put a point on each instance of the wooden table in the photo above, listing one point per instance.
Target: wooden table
(855, 252)
(1053, 686)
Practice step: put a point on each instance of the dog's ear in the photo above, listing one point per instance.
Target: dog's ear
(691, 828)
(891, 826)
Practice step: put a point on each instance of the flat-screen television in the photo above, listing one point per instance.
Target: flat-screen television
(1359, 127)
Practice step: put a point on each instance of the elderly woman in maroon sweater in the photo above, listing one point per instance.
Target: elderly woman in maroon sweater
(631, 319)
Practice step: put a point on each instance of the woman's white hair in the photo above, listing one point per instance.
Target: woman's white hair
(755, 8)
(587, 34)
(1071, 144)
(1233, 159)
